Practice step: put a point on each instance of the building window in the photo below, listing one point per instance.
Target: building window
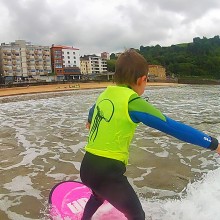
(68, 52)
(57, 52)
(68, 57)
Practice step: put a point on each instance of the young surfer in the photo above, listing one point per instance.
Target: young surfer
(113, 119)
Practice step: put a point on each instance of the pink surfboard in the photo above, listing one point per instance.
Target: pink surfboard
(68, 199)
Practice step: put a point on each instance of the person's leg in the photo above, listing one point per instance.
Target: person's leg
(92, 205)
(106, 177)
(123, 197)
(88, 174)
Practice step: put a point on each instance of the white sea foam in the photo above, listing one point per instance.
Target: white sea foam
(22, 185)
(200, 200)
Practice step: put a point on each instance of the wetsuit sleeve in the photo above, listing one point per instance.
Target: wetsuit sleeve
(91, 111)
(142, 111)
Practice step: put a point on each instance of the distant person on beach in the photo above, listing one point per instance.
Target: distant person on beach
(112, 122)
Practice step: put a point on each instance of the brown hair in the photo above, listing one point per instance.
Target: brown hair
(129, 66)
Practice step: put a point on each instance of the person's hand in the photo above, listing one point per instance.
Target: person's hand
(218, 149)
(88, 126)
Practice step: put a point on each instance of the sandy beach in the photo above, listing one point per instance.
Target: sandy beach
(63, 87)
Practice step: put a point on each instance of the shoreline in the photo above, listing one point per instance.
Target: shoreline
(6, 92)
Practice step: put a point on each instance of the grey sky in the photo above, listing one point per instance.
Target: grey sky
(95, 26)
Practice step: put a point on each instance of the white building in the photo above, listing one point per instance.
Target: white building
(70, 57)
(65, 62)
(21, 59)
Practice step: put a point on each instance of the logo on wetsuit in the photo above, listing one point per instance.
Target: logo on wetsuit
(105, 111)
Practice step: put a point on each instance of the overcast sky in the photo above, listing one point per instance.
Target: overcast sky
(95, 26)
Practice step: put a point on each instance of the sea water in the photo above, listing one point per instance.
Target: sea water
(42, 138)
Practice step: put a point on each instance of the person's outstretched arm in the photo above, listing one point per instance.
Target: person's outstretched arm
(142, 111)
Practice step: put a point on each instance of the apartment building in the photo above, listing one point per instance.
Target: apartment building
(20, 60)
(105, 55)
(85, 65)
(65, 62)
(92, 64)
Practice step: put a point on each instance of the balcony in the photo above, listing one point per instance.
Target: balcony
(15, 51)
(47, 68)
(39, 69)
(48, 63)
(31, 68)
(46, 52)
(6, 73)
(31, 58)
(15, 73)
(32, 63)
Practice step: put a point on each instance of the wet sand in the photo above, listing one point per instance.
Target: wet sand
(63, 87)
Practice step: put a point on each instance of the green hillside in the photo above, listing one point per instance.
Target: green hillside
(200, 59)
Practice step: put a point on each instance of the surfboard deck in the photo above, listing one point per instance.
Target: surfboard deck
(68, 199)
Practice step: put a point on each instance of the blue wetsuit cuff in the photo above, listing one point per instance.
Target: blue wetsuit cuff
(214, 144)
(91, 111)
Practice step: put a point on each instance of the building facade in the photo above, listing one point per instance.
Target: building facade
(85, 65)
(105, 55)
(22, 60)
(65, 62)
(92, 64)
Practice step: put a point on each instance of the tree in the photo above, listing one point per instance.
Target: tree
(112, 56)
(111, 65)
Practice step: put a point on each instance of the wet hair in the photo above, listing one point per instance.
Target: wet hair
(129, 66)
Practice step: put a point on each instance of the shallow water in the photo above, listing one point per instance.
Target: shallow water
(42, 138)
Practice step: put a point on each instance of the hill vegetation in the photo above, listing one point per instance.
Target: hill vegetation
(201, 58)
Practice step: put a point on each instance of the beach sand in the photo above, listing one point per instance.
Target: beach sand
(63, 87)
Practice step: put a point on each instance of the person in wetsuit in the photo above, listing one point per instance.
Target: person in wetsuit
(112, 122)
